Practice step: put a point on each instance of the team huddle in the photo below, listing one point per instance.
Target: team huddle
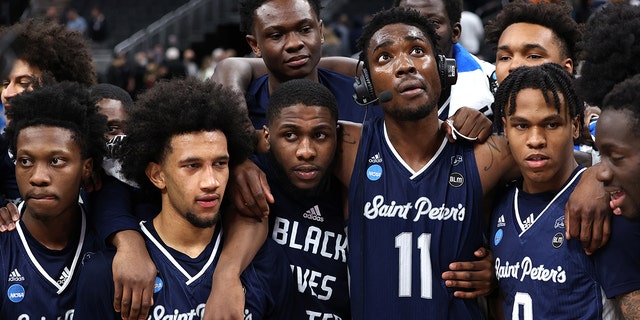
(416, 181)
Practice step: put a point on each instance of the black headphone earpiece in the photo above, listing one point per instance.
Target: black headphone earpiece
(363, 88)
(448, 70)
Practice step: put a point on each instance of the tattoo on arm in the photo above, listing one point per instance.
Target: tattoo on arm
(347, 138)
(630, 305)
(492, 145)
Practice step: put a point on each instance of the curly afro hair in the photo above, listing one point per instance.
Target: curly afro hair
(396, 15)
(625, 95)
(611, 51)
(108, 91)
(248, 9)
(555, 16)
(177, 107)
(53, 49)
(66, 105)
(549, 78)
(300, 91)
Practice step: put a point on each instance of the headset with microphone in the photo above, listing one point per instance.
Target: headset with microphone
(364, 93)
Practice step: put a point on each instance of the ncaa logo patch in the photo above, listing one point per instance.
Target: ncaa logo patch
(158, 285)
(15, 293)
(374, 172)
(558, 240)
(497, 237)
(456, 179)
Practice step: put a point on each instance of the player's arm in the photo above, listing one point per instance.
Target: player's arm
(9, 215)
(468, 123)
(348, 140)
(630, 305)
(243, 238)
(237, 73)
(587, 212)
(495, 163)
(117, 225)
(477, 277)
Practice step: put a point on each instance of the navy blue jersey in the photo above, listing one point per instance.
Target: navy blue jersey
(618, 262)
(406, 227)
(340, 85)
(541, 274)
(36, 282)
(183, 283)
(311, 231)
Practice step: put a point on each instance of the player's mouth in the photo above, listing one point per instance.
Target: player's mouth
(617, 198)
(208, 201)
(306, 172)
(535, 161)
(297, 61)
(411, 88)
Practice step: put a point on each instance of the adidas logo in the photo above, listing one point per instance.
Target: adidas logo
(313, 214)
(64, 276)
(501, 222)
(376, 158)
(15, 276)
(528, 222)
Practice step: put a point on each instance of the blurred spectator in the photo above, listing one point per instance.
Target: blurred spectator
(138, 74)
(118, 72)
(341, 29)
(173, 66)
(76, 22)
(331, 45)
(472, 35)
(205, 71)
(52, 14)
(98, 31)
(188, 58)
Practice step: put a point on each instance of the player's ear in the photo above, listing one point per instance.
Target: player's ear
(154, 173)
(265, 138)
(253, 43)
(87, 169)
(575, 127)
(321, 32)
(504, 125)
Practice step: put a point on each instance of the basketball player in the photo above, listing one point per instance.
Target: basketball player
(187, 161)
(56, 137)
(539, 271)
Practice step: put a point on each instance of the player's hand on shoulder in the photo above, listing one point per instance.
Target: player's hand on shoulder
(9, 215)
(587, 212)
(472, 278)
(249, 190)
(469, 124)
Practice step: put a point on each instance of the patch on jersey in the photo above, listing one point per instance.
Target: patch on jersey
(158, 285)
(313, 214)
(456, 160)
(15, 293)
(376, 158)
(456, 179)
(87, 256)
(558, 240)
(247, 315)
(374, 172)
(497, 237)
(501, 222)
(15, 276)
(559, 223)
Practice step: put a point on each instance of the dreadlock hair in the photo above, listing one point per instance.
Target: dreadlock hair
(65, 105)
(300, 91)
(554, 16)
(108, 91)
(550, 78)
(178, 107)
(611, 49)
(247, 9)
(453, 8)
(625, 96)
(53, 48)
(401, 15)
